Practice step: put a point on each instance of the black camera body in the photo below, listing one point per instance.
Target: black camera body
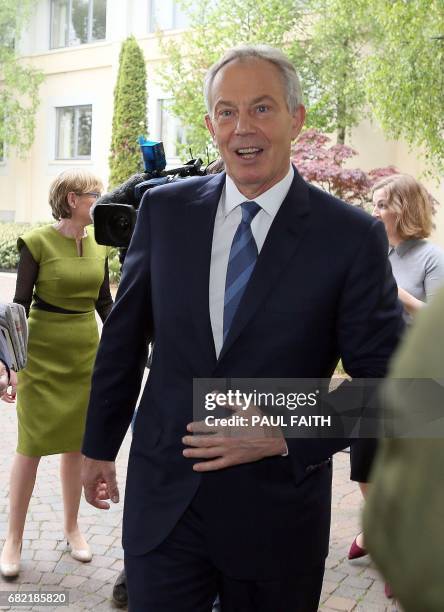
(115, 213)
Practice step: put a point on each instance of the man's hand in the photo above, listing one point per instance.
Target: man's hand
(99, 482)
(227, 446)
(5, 394)
(4, 380)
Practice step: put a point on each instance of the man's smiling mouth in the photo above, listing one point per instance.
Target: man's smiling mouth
(248, 152)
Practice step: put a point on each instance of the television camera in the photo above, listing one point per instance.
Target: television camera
(115, 213)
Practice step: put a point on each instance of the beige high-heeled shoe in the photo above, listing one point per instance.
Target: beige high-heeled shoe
(10, 570)
(80, 554)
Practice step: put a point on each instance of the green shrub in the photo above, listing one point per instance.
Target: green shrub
(114, 266)
(9, 232)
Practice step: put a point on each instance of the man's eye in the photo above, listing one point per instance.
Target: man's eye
(225, 113)
(262, 108)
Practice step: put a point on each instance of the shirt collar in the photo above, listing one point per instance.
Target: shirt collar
(270, 200)
(405, 246)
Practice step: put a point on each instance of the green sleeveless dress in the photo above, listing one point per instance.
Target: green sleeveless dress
(53, 388)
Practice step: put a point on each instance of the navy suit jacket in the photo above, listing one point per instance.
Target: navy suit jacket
(321, 289)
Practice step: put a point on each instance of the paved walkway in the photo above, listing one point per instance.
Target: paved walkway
(46, 564)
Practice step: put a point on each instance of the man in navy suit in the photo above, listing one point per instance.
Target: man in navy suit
(251, 273)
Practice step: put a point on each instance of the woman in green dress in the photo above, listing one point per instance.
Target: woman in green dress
(62, 279)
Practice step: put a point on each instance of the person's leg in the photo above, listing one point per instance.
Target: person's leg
(70, 474)
(364, 486)
(299, 593)
(177, 576)
(22, 480)
(362, 454)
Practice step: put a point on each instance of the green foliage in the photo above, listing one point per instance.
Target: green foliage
(129, 119)
(9, 232)
(114, 266)
(405, 73)
(357, 59)
(330, 63)
(323, 38)
(214, 29)
(19, 82)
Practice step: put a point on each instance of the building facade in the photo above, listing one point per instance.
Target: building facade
(76, 43)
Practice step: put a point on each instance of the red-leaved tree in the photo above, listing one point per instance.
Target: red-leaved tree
(324, 165)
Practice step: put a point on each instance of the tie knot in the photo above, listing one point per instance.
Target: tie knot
(249, 211)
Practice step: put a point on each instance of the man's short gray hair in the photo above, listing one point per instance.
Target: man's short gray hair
(288, 72)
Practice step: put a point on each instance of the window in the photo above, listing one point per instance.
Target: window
(76, 22)
(166, 15)
(73, 134)
(170, 129)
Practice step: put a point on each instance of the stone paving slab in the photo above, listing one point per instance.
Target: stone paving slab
(46, 564)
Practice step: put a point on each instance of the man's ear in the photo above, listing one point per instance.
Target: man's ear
(297, 121)
(209, 125)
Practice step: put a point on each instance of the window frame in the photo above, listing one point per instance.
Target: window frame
(76, 108)
(163, 115)
(153, 27)
(90, 40)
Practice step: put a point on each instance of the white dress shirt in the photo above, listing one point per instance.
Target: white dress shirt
(228, 217)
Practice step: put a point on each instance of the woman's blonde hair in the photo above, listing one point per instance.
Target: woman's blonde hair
(77, 180)
(411, 202)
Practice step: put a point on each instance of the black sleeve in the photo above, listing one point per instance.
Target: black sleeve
(104, 301)
(27, 273)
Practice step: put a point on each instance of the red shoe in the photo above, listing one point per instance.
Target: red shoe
(388, 591)
(356, 551)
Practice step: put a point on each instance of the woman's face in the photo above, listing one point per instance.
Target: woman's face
(388, 217)
(81, 206)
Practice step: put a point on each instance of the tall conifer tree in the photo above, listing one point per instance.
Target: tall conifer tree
(130, 113)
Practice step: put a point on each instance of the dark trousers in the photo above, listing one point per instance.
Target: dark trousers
(178, 576)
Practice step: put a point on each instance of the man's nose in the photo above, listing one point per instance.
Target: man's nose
(244, 123)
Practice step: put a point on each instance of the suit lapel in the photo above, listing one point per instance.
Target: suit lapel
(284, 236)
(201, 213)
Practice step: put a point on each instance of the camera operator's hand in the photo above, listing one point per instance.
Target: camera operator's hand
(99, 482)
(4, 378)
(8, 391)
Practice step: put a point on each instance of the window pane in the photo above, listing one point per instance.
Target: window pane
(74, 132)
(84, 131)
(161, 15)
(79, 22)
(99, 20)
(171, 131)
(59, 23)
(65, 133)
(180, 19)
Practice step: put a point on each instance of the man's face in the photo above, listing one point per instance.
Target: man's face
(251, 124)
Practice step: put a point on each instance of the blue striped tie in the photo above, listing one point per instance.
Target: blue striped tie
(243, 255)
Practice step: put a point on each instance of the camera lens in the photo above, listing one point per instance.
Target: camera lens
(120, 222)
